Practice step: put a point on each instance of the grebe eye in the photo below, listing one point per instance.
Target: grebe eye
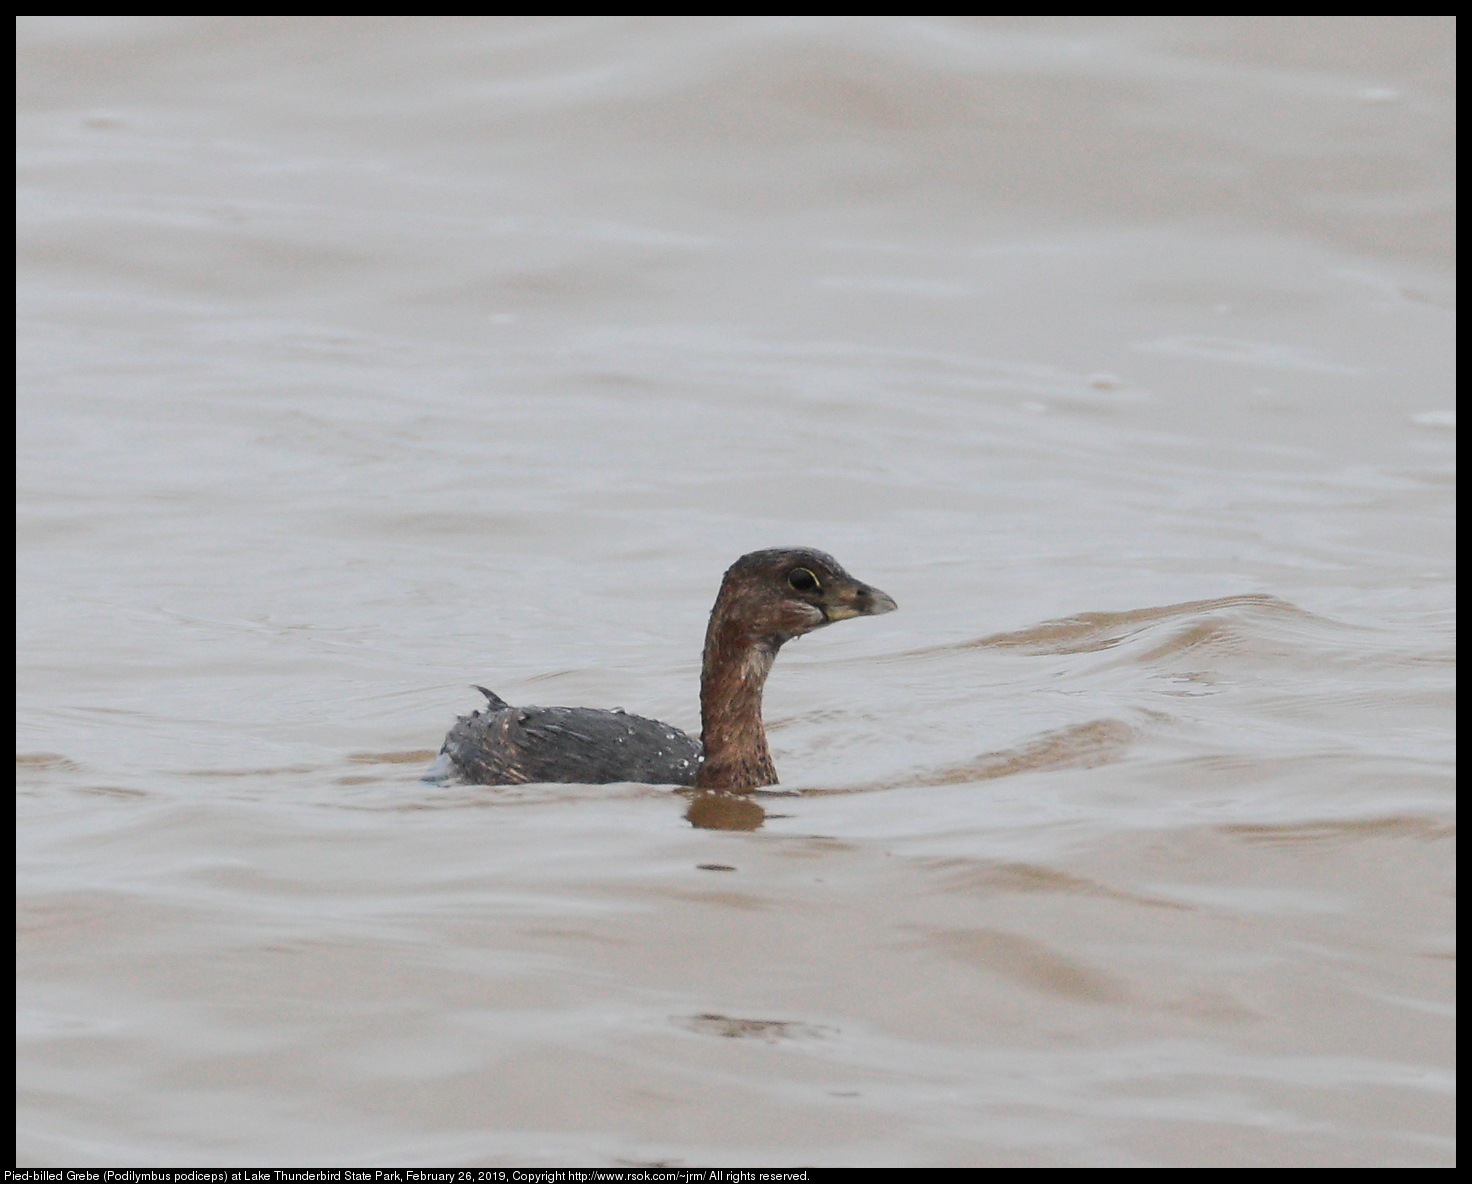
(803, 580)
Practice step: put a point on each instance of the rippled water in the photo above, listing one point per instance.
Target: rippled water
(363, 360)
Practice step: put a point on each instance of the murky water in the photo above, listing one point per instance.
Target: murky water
(364, 360)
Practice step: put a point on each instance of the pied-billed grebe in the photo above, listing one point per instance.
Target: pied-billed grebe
(766, 598)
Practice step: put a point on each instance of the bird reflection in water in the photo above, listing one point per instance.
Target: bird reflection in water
(716, 809)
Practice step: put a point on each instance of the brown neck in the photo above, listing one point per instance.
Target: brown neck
(731, 680)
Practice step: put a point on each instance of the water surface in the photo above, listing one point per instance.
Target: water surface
(362, 360)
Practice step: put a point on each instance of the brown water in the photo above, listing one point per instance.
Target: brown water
(363, 360)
